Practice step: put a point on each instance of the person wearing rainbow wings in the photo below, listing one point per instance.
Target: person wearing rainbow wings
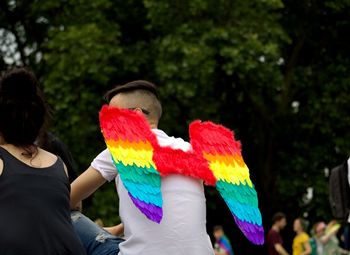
(159, 178)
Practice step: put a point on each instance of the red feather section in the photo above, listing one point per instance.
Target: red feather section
(214, 136)
(126, 125)
(170, 161)
(130, 126)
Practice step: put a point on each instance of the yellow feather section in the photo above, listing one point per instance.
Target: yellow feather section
(140, 145)
(130, 156)
(235, 174)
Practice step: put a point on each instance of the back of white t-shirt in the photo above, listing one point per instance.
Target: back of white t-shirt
(182, 230)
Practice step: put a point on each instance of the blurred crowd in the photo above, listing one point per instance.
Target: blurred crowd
(323, 238)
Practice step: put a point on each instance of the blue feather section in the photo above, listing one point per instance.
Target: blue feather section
(149, 194)
(244, 208)
(141, 183)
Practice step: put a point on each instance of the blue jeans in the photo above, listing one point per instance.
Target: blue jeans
(95, 239)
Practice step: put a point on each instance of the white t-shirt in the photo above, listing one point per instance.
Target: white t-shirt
(182, 230)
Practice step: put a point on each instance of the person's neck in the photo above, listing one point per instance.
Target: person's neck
(8, 145)
(11, 148)
(299, 232)
(153, 125)
(276, 228)
(18, 150)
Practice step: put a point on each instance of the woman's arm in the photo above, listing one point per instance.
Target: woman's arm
(307, 248)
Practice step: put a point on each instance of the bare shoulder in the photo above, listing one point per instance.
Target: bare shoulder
(50, 159)
(46, 158)
(47, 154)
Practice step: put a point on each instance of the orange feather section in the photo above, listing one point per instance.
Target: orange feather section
(227, 159)
(140, 145)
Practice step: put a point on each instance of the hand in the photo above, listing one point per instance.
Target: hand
(117, 230)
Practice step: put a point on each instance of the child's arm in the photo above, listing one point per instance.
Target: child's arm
(86, 184)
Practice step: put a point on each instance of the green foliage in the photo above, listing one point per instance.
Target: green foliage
(78, 68)
(275, 71)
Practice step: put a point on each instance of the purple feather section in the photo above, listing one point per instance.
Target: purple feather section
(254, 233)
(152, 212)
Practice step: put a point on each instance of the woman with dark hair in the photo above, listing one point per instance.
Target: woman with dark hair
(34, 185)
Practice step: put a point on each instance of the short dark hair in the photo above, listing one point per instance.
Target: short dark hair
(22, 108)
(277, 217)
(132, 86)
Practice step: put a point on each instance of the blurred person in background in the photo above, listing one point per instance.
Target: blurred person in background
(222, 243)
(301, 244)
(274, 239)
(330, 239)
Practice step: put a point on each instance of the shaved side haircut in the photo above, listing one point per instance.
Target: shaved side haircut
(139, 94)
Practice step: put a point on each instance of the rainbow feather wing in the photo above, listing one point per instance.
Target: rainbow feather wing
(129, 139)
(218, 146)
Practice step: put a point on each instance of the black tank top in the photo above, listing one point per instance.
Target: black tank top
(34, 210)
